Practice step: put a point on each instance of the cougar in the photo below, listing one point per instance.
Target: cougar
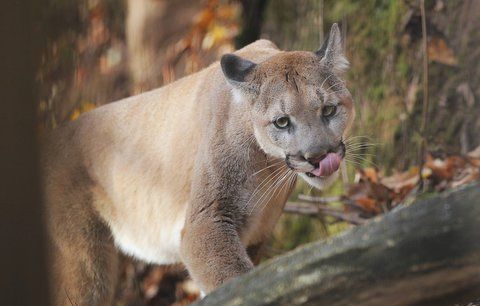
(196, 172)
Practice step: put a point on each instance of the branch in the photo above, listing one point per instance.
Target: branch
(323, 200)
(319, 209)
(423, 128)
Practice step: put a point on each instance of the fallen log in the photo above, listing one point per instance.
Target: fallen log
(425, 254)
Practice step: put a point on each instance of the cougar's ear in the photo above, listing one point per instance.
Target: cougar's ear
(332, 53)
(236, 69)
(239, 73)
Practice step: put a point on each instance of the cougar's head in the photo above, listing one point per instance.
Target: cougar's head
(300, 107)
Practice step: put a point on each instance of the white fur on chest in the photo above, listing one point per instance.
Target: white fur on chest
(150, 243)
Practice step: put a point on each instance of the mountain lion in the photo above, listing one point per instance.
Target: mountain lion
(197, 171)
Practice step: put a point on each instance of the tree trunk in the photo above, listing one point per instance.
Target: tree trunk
(252, 20)
(23, 274)
(424, 254)
(151, 26)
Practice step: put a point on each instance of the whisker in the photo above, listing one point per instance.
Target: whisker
(272, 165)
(334, 92)
(247, 141)
(360, 159)
(292, 180)
(271, 191)
(361, 143)
(262, 185)
(354, 162)
(356, 154)
(359, 151)
(339, 82)
(311, 188)
(335, 84)
(358, 136)
(350, 139)
(359, 148)
(350, 153)
(265, 161)
(269, 188)
(249, 147)
(321, 86)
(287, 178)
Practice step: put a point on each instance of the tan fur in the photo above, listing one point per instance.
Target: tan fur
(173, 175)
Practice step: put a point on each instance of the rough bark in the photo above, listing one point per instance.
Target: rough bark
(424, 254)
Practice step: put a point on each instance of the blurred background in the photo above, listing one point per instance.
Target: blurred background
(99, 51)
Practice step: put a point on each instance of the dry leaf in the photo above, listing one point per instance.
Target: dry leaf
(444, 169)
(439, 51)
(402, 181)
(84, 107)
(371, 174)
(475, 154)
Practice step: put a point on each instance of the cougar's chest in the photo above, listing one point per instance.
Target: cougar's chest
(152, 235)
(146, 217)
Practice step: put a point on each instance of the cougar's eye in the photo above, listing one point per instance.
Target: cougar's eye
(329, 111)
(282, 122)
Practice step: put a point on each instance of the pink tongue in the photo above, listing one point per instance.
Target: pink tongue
(328, 165)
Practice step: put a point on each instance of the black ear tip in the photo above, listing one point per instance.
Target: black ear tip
(321, 52)
(235, 68)
(227, 60)
(229, 63)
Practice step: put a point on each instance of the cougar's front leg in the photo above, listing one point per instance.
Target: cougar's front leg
(211, 246)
